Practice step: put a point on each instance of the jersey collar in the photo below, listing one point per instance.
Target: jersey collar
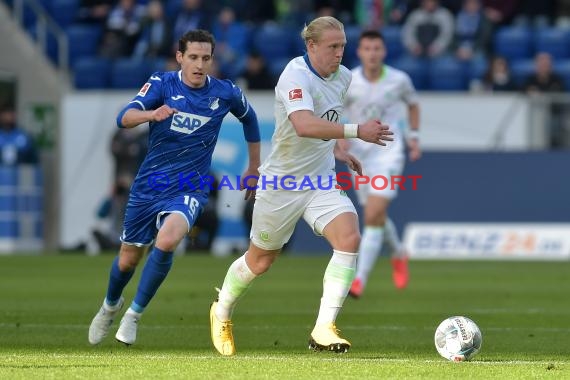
(306, 58)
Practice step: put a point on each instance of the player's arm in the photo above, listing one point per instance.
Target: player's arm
(147, 106)
(130, 117)
(306, 124)
(413, 138)
(341, 154)
(241, 109)
(251, 134)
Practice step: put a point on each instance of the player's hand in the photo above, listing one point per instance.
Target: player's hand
(373, 131)
(342, 155)
(162, 113)
(414, 150)
(249, 184)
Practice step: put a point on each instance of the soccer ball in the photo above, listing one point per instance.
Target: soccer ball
(458, 339)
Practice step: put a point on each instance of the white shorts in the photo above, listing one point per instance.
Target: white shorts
(386, 165)
(276, 213)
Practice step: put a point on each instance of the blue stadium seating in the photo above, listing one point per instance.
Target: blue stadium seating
(299, 47)
(521, 70)
(555, 41)
(447, 74)
(171, 8)
(476, 68)
(513, 42)
(350, 59)
(63, 12)
(276, 66)
(274, 42)
(92, 73)
(129, 73)
(393, 40)
(83, 41)
(416, 68)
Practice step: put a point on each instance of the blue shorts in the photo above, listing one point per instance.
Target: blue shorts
(144, 217)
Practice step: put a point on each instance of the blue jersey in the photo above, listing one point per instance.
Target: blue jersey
(181, 147)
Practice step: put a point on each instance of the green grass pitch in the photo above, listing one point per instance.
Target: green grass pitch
(522, 308)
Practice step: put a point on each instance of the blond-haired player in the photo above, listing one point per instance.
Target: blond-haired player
(308, 105)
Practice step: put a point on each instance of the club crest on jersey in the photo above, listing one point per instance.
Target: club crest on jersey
(187, 123)
(214, 103)
(144, 89)
(295, 94)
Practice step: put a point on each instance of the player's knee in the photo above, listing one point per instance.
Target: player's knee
(375, 219)
(168, 241)
(349, 241)
(128, 262)
(259, 261)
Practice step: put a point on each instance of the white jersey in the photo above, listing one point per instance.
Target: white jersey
(301, 88)
(385, 99)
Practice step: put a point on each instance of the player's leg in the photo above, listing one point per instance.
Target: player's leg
(157, 266)
(270, 230)
(137, 235)
(333, 215)
(239, 277)
(122, 269)
(372, 235)
(400, 272)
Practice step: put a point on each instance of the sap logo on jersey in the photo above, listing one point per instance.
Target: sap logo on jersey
(187, 123)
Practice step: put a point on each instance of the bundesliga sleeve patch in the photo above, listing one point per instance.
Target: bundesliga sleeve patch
(144, 89)
(296, 94)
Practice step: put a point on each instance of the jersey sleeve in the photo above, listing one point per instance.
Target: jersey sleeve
(293, 89)
(239, 105)
(150, 95)
(409, 94)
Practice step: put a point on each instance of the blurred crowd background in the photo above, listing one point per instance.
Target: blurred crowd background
(445, 45)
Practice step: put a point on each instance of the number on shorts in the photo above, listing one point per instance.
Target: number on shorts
(192, 203)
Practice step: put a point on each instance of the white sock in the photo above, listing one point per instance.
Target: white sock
(393, 240)
(237, 281)
(336, 283)
(370, 246)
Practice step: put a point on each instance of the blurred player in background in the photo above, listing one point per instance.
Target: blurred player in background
(379, 91)
(308, 105)
(185, 110)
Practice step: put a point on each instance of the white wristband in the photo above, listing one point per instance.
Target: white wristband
(350, 131)
(414, 134)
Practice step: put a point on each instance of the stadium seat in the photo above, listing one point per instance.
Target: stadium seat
(157, 65)
(171, 8)
(352, 32)
(92, 73)
(521, 70)
(273, 42)
(276, 66)
(393, 39)
(513, 42)
(83, 41)
(299, 47)
(238, 36)
(476, 68)
(51, 49)
(416, 68)
(555, 41)
(64, 12)
(447, 74)
(129, 73)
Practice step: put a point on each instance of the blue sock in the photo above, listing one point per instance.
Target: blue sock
(155, 270)
(117, 282)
